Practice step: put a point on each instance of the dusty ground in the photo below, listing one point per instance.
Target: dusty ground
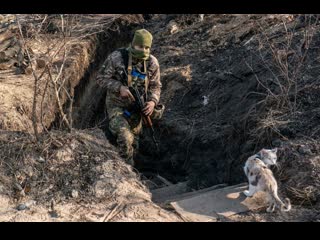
(232, 84)
(71, 177)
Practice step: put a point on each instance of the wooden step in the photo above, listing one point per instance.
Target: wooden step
(218, 204)
(179, 197)
(163, 194)
(178, 192)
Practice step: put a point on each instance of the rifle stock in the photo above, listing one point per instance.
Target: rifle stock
(146, 119)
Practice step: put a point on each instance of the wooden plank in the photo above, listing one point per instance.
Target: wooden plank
(165, 193)
(189, 216)
(218, 203)
(191, 194)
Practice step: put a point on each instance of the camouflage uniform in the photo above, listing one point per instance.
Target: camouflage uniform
(111, 77)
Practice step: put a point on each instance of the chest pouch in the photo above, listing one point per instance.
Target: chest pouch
(138, 79)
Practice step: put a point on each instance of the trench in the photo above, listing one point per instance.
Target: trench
(181, 158)
(89, 112)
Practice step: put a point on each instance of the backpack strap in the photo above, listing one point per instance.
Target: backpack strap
(146, 82)
(130, 70)
(124, 56)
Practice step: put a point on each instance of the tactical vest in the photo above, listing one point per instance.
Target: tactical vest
(159, 109)
(133, 75)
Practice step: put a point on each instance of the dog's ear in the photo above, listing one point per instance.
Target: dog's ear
(263, 151)
(274, 150)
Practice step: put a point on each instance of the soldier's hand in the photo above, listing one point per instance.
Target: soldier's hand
(125, 93)
(148, 108)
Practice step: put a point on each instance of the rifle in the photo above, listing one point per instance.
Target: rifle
(146, 119)
(139, 101)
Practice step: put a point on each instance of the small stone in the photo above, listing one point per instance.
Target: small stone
(54, 214)
(41, 159)
(74, 193)
(205, 100)
(172, 27)
(22, 207)
(18, 186)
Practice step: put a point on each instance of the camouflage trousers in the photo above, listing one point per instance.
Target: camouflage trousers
(126, 130)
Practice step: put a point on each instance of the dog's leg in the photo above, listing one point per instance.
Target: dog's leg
(251, 191)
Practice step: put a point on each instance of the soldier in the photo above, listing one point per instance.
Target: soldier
(133, 66)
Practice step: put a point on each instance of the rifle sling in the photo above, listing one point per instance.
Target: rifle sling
(146, 82)
(130, 70)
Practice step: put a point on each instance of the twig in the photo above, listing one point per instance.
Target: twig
(36, 80)
(64, 118)
(41, 106)
(44, 19)
(112, 214)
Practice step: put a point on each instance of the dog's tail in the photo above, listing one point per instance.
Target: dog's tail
(286, 207)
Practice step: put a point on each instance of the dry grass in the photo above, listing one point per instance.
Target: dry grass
(305, 195)
(285, 61)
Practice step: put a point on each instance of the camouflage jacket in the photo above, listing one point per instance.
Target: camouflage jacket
(113, 73)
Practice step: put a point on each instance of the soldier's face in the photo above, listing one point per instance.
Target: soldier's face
(142, 48)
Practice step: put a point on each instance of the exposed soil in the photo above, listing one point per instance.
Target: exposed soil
(74, 176)
(234, 84)
(218, 108)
